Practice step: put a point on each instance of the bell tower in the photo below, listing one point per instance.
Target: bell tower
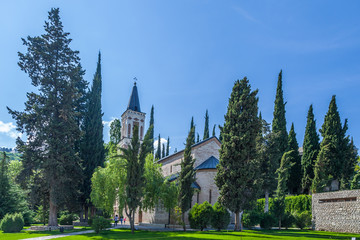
(131, 117)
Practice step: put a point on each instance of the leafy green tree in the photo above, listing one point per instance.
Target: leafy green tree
(311, 147)
(206, 128)
(213, 131)
(221, 217)
(355, 183)
(186, 177)
(92, 146)
(283, 177)
(294, 181)
(279, 121)
(50, 118)
(169, 195)
(200, 215)
(238, 167)
(115, 131)
(168, 147)
(5, 198)
(158, 152)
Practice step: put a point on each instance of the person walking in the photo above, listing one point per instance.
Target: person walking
(121, 220)
(116, 219)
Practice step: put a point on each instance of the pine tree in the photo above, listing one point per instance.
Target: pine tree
(115, 131)
(192, 125)
(151, 123)
(206, 128)
(213, 132)
(5, 197)
(186, 177)
(311, 147)
(163, 151)
(350, 160)
(334, 151)
(198, 138)
(283, 177)
(50, 119)
(92, 147)
(294, 181)
(238, 167)
(279, 120)
(168, 147)
(158, 152)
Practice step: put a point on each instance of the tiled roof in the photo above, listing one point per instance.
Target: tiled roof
(176, 175)
(209, 163)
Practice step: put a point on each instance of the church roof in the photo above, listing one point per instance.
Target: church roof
(134, 103)
(209, 163)
(176, 175)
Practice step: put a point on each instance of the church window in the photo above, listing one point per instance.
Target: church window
(170, 168)
(210, 196)
(129, 130)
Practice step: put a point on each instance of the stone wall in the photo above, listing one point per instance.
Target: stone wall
(337, 211)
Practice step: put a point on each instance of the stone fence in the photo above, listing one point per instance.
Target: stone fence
(337, 211)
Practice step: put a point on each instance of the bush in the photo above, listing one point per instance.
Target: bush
(287, 220)
(66, 219)
(100, 223)
(200, 215)
(12, 223)
(298, 203)
(251, 219)
(28, 217)
(303, 219)
(267, 221)
(220, 218)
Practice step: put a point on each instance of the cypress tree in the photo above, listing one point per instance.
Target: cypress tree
(350, 160)
(168, 146)
(92, 148)
(115, 131)
(206, 128)
(163, 151)
(151, 123)
(198, 138)
(213, 131)
(294, 181)
(279, 120)
(334, 150)
(158, 152)
(186, 177)
(53, 114)
(192, 125)
(311, 147)
(238, 166)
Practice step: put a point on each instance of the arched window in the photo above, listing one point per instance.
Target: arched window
(141, 132)
(129, 130)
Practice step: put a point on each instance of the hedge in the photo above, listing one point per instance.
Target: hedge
(300, 203)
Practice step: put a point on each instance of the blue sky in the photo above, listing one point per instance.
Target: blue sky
(187, 54)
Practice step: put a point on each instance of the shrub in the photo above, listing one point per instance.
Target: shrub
(251, 218)
(200, 215)
(28, 216)
(66, 219)
(303, 219)
(298, 203)
(287, 220)
(12, 223)
(267, 221)
(220, 218)
(100, 223)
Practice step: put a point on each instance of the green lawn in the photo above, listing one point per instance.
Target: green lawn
(246, 235)
(31, 234)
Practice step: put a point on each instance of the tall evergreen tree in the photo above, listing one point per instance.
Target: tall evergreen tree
(213, 131)
(350, 160)
(163, 151)
(198, 138)
(115, 131)
(294, 181)
(331, 163)
(158, 152)
(151, 123)
(168, 147)
(192, 125)
(279, 120)
(206, 128)
(5, 198)
(238, 166)
(186, 177)
(92, 147)
(311, 147)
(50, 118)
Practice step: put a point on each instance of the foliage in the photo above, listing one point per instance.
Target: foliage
(200, 215)
(186, 177)
(206, 128)
(298, 203)
(287, 220)
(213, 131)
(50, 118)
(238, 167)
(12, 223)
(294, 181)
(168, 147)
(267, 221)
(220, 218)
(100, 223)
(115, 131)
(66, 219)
(151, 123)
(302, 219)
(251, 218)
(311, 147)
(158, 151)
(355, 183)
(41, 215)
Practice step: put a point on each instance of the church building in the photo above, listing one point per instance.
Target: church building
(206, 154)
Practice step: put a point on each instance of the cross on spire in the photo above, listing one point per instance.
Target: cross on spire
(135, 79)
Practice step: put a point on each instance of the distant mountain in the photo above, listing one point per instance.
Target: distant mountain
(12, 153)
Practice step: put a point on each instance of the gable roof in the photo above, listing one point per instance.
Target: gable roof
(176, 175)
(193, 146)
(134, 103)
(209, 163)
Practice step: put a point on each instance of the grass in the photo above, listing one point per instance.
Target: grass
(32, 234)
(246, 235)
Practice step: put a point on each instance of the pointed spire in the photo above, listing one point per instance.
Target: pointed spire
(134, 103)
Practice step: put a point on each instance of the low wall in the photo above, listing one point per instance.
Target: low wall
(337, 211)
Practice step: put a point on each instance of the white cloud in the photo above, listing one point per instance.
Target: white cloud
(162, 141)
(108, 123)
(9, 129)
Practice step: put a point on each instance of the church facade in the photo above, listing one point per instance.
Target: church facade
(205, 153)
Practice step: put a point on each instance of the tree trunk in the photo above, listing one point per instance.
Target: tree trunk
(132, 220)
(241, 225)
(169, 216)
(86, 211)
(81, 214)
(53, 214)
(279, 223)
(266, 208)
(183, 221)
(237, 221)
